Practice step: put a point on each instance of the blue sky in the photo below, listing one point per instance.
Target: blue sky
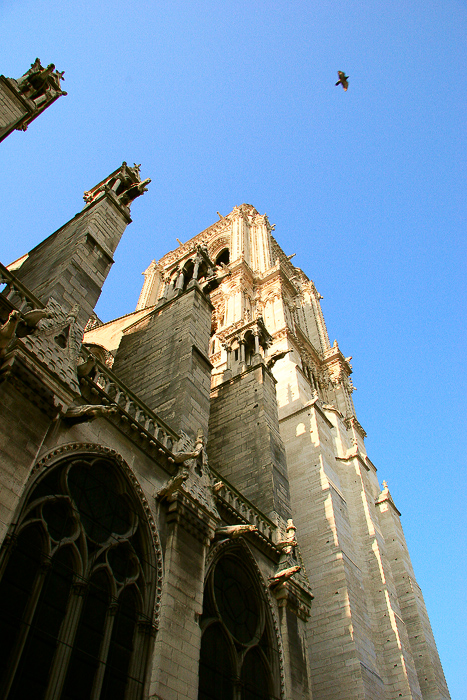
(224, 102)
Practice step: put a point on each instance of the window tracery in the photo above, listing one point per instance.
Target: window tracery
(239, 655)
(77, 587)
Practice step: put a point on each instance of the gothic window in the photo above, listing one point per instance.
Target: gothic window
(249, 347)
(77, 588)
(239, 659)
(188, 273)
(223, 257)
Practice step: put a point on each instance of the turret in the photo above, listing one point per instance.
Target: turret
(22, 100)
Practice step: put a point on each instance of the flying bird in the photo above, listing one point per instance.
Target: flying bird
(343, 78)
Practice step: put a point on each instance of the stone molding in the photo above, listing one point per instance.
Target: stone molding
(186, 512)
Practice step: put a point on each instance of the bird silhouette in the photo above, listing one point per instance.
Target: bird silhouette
(343, 78)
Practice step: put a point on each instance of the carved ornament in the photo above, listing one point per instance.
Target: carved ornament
(124, 185)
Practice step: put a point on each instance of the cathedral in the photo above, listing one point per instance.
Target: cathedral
(188, 510)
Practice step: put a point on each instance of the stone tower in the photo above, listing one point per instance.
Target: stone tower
(174, 481)
(369, 635)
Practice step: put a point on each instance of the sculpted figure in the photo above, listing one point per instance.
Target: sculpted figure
(271, 361)
(283, 576)
(183, 456)
(8, 330)
(87, 412)
(232, 531)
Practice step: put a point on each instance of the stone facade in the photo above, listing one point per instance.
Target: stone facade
(187, 508)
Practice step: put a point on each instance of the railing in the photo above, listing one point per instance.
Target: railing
(16, 292)
(132, 410)
(234, 500)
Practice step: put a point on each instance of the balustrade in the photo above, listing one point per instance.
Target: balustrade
(132, 410)
(245, 510)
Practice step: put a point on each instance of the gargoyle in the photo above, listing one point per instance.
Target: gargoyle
(217, 486)
(183, 456)
(29, 321)
(87, 412)
(283, 576)
(134, 191)
(8, 330)
(271, 361)
(85, 368)
(232, 531)
(287, 544)
(173, 484)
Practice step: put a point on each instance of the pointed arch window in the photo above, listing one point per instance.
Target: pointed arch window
(77, 588)
(239, 654)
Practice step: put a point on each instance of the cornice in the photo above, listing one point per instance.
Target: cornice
(295, 597)
(355, 453)
(351, 422)
(303, 344)
(189, 514)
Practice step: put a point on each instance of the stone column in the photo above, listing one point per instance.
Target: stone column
(294, 610)
(242, 352)
(228, 370)
(165, 289)
(176, 659)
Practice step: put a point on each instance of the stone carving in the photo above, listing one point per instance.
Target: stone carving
(180, 457)
(20, 325)
(40, 84)
(55, 340)
(30, 320)
(173, 484)
(217, 486)
(233, 531)
(86, 367)
(283, 576)
(8, 330)
(271, 361)
(288, 545)
(125, 184)
(193, 479)
(88, 412)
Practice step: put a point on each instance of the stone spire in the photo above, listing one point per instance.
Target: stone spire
(72, 264)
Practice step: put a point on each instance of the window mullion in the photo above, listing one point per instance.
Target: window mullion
(104, 650)
(65, 641)
(25, 626)
(143, 630)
